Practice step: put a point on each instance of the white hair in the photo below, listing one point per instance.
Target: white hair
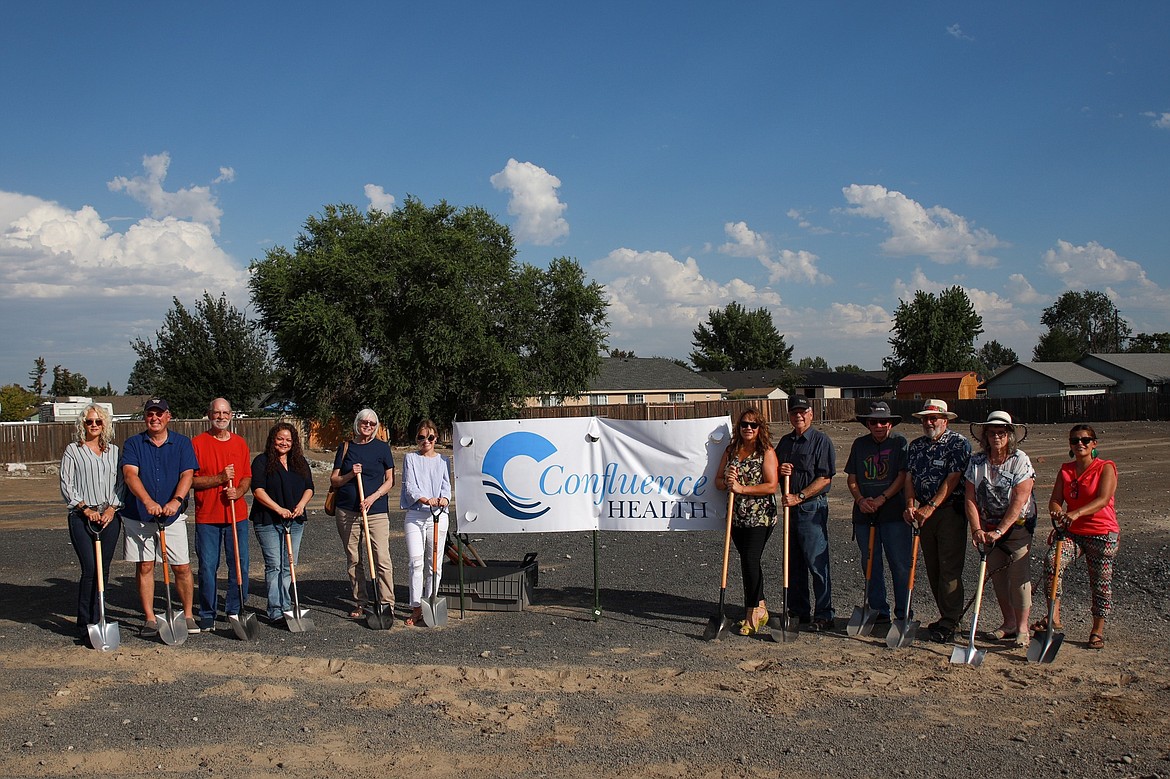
(365, 413)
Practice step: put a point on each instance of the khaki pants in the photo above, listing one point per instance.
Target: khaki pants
(349, 528)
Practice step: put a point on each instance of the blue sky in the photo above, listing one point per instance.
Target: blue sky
(822, 160)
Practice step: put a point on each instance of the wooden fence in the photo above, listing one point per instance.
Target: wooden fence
(43, 442)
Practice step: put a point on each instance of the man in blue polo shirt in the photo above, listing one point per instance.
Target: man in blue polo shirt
(158, 466)
(807, 457)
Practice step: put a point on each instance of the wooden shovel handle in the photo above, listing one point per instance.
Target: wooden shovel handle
(235, 540)
(727, 537)
(869, 562)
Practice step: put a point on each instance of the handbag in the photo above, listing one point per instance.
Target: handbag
(331, 496)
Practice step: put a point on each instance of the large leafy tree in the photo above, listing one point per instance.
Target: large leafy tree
(423, 312)
(209, 351)
(36, 377)
(1080, 323)
(16, 403)
(735, 339)
(934, 333)
(66, 382)
(1150, 342)
(993, 355)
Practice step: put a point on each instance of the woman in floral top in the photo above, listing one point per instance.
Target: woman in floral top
(750, 471)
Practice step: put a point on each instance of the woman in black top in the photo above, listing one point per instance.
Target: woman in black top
(282, 485)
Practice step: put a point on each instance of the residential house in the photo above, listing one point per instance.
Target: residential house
(640, 380)
(834, 384)
(750, 385)
(1133, 372)
(1045, 379)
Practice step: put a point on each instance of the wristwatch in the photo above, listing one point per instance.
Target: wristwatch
(801, 496)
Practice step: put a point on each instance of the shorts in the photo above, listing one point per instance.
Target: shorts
(141, 541)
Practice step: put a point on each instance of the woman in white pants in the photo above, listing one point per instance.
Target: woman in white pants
(426, 487)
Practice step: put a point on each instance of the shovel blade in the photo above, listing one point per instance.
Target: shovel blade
(902, 633)
(298, 621)
(1043, 650)
(861, 623)
(106, 636)
(716, 627)
(967, 655)
(245, 626)
(786, 628)
(434, 612)
(173, 631)
(379, 616)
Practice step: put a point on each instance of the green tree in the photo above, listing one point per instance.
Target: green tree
(1150, 342)
(36, 377)
(736, 339)
(622, 353)
(849, 368)
(994, 355)
(423, 311)
(16, 403)
(66, 382)
(933, 334)
(813, 363)
(1081, 323)
(197, 355)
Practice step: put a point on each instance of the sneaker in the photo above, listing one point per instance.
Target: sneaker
(882, 619)
(940, 636)
(192, 625)
(207, 626)
(821, 625)
(149, 629)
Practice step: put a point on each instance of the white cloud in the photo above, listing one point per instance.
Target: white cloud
(957, 32)
(195, 203)
(656, 301)
(379, 198)
(1021, 290)
(226, 176)
(1161, 120)
(803, 222)
(937, 232)
(533, 201)
(1092, 265)
(782, 265)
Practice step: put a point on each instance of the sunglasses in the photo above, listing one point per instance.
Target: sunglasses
(155, 413)
(425, 438)
(95, 422)
(1086, 440)
(748, 425)
(367, 423)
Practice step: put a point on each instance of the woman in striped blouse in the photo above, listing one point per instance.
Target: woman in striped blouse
(91, 484)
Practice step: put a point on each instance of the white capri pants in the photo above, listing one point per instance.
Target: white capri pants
(419, 529)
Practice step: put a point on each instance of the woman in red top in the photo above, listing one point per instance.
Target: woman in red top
(1082, 504)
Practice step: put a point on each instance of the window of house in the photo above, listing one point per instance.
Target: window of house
(635, 397)
(550, 401)
(677, 397)
(599, 400)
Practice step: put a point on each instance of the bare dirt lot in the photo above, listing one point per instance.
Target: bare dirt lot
(551, 692)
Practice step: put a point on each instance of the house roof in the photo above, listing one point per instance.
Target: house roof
(814, 378)
(641, 374)
(1067, 374)
(1153, 366)
(933, 382)
(744, 380)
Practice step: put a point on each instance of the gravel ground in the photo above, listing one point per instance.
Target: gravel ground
(549, 691)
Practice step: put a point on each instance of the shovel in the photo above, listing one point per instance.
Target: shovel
(173, 629)
(106, 636)
(379, 615)
(969, 655)
(861, 623)
(903, 631)
(1044, 650)
(295, 620)
(784, 622)
(718, 624)
(434, 610)
(244, 625)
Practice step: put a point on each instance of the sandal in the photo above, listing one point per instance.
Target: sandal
(1041, 625)
(999, 634)
(357, 613)
(414, 618)
(1096, 641)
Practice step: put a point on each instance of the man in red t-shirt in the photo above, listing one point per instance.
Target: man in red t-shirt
(221, 483)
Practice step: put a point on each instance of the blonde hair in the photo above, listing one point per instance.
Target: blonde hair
(107, 434)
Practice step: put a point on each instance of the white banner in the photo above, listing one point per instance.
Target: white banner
(589, 473)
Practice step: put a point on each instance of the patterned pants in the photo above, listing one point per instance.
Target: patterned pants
(1098, 552)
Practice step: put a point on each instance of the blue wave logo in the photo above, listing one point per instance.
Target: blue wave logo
(518, 444)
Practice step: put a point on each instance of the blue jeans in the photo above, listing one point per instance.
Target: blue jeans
(894, 539)
(277, 576)
(210, 539)
(808, 544)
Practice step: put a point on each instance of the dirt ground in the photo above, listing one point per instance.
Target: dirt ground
(549, 691)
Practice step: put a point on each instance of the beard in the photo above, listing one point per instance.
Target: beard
(935, 433)
(221, 424)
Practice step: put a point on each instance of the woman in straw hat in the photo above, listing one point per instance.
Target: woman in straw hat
(1001, 512)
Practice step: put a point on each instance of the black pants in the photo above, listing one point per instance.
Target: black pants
(750, 542)
(87, 602)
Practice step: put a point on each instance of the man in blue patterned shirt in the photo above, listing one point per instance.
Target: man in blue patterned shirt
(934, 499)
